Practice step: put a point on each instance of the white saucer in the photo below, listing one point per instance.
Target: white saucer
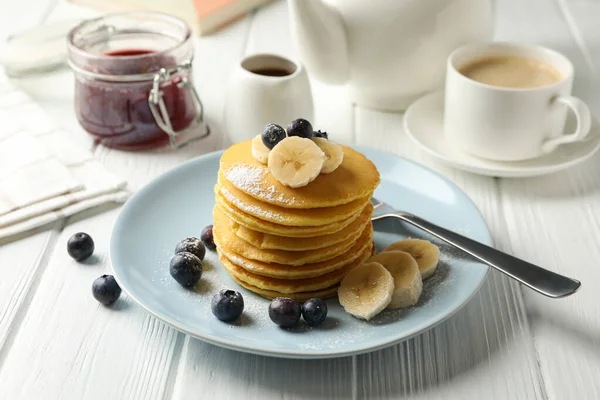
(423, 123)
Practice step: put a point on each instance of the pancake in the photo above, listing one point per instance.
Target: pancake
(356, 178)
(256, 224)
(270, 294)
(267, 241)
(227, 239)
(288, 216)
(286, 286)
(362, 250)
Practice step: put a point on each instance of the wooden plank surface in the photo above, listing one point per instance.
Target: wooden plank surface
(22, 262)
(553, 220)
(22, 259)
(57, 342)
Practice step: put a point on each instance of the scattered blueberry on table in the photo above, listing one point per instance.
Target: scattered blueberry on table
(314, 311)
(227, 305)
(207, 237)
(300, 127)
(186, 268)
(191, 245)
(284, 312)
(106, 290)
(272, 134)
(80, 246)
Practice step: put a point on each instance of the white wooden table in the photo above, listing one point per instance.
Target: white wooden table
(57, 342)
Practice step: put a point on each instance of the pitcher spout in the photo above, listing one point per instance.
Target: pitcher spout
(319, 34)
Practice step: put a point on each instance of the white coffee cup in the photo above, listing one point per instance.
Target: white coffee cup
(510, 124)
(255, 99)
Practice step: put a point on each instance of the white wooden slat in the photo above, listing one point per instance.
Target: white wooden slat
(209, 372)
(485, 350)
(216, 57)
(20, 262)
(70, 346)
(582, 18)
(269, 32)
(553, 220)
(23, 258)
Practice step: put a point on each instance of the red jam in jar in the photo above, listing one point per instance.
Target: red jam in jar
(123, 62)
(128, 52)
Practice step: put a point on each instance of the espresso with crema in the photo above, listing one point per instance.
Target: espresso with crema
(511, 72)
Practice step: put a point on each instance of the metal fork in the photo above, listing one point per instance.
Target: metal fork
(537, 278)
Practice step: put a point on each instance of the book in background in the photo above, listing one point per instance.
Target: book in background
(203, 16)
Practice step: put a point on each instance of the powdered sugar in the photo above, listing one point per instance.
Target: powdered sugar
(214, 279)
(247, 178)
(238, 261)
(271, 194)
(252, 210)
(251, 179)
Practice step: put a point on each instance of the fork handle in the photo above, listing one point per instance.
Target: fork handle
(537, 278)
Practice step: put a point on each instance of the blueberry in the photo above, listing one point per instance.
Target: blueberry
(191, 245)
(80, 246)
(106, 289)
(207, 237)
(227, 305)
(300, 127)
(186, 268)
(272, 134)
(314, 311)
(320, 134)
(284, 312)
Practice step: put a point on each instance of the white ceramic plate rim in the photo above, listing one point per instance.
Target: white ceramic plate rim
(232, 345)
(502, 169)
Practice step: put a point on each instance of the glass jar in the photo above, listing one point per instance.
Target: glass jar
(133, 81)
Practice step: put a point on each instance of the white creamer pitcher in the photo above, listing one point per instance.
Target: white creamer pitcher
(263, 89)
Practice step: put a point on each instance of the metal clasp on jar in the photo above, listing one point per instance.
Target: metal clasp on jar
(159, 109)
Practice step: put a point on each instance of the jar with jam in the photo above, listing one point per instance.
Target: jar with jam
(133, 81)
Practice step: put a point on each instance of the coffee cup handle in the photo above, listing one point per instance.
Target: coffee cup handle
(584, 122)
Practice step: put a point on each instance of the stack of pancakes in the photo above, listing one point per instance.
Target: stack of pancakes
(292, 242)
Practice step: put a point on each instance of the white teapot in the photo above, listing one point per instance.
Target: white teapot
(389, 52)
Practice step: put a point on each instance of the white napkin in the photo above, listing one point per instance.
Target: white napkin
(43, 176)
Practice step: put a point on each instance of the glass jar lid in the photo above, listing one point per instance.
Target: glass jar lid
(98, 47)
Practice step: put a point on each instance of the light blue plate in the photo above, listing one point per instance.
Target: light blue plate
(179, 204)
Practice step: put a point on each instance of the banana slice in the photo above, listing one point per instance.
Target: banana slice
(333, 152)
(259, 150)
(407, 278)
(296, 161)
(366, 290)
(425, 253)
